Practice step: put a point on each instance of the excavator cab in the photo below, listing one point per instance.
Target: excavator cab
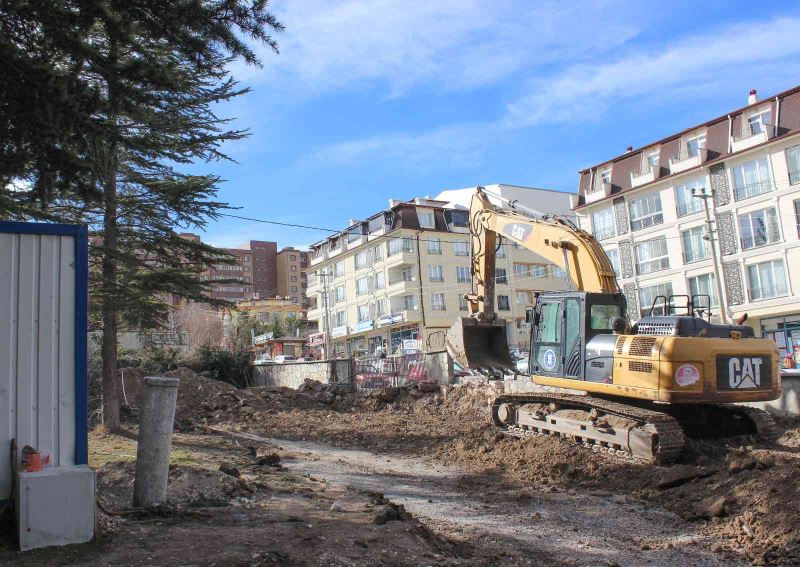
(568, 327)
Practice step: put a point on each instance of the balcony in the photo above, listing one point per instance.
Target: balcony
(641, 177)
(405, 257)
(767, 292)
(397, 317)
(751, 135)
(687, 160)
(601, 190)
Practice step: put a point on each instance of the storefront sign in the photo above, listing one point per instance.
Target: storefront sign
(410, 344)
(390, 319)
(316, 339)
(338, 331)
(361, 326)
(261, 339)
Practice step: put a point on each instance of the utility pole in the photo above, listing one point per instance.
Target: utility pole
(709, 237)
(325, 299)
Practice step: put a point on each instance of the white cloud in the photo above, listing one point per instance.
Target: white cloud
(686, 68)
(452, 44)
(458, 146)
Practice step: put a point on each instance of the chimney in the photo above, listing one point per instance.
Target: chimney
(629, 149)
(753, 98)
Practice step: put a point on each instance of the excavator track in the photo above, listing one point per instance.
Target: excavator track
(649, 436)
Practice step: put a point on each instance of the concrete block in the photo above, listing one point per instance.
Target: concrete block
(789, 402)
(55, 506)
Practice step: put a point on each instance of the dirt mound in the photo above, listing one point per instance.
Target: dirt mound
(200, 397)
(188, 487)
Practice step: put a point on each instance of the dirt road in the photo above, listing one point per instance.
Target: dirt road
(572, 528)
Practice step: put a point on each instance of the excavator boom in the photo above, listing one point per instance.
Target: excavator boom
(479, 341)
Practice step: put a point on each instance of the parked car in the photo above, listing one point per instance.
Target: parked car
(281, 358)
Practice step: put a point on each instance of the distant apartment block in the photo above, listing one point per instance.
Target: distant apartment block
(399, 276)
(645, 207)
(291, 276)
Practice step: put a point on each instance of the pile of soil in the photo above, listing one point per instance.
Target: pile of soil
(188, 487)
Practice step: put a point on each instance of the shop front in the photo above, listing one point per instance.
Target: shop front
(405, 338)
(785, 331)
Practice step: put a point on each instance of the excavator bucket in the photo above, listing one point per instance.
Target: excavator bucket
(479, 345)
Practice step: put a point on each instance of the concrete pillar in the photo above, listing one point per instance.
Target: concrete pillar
(156, 420)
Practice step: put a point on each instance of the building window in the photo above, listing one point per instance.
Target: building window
(759, 228)
(461, 248)
(767, 280)
(539, 271)
(410, 302)
(646, 211)
(434, 246)
(751, 178)
(605, 176)
(604, 225)
(613, 257)
(435, 273)
(695, 246)
(758, 123)
(524, 297)
(703, 285)
(294, 289)
(363, 312)
(338, 269)
(397, 245)
(500, 276)
(687, 203)
(380, 307)
(340, 318)
(501, 251)
(503, 303)
(793, 163)
(362, 285)
(647, 295)
(652, 160)
(425, 219)
(694, 145)
(377, 253)
(558, 273)
(521, 270)
(462, 274)
(360, 260)
(294, 278)
(293, 268)
(292, 257)
(652, 255)
(380, 280)
(340, 295)
(462, 303)
(797, 215)
(437, 302)
(247, 258)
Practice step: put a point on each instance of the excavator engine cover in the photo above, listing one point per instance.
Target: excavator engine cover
(479, 345)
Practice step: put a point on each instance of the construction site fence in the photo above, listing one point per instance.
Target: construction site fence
(392, 371)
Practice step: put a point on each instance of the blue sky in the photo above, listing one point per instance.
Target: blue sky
(394, 99)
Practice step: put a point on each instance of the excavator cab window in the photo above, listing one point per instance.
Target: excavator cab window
(547, 338)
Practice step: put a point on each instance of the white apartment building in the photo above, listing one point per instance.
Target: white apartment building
(397, 279)
(646, 208)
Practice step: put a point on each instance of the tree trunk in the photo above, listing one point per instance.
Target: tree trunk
(109, 346)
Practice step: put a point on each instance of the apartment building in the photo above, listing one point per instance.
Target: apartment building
(646, 207)
(263, 267)
(397, 279)
(291, 278)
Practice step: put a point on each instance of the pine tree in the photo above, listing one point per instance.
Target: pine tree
(155, 72)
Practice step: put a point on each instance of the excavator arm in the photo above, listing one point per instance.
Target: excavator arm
(555, 239)
(479, 341)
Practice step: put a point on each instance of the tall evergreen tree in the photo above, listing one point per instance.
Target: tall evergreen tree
(151, 74)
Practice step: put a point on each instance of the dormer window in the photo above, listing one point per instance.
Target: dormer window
(757, 123)
(652, 160)
(605, 176)
(695, 144)
(425, 218)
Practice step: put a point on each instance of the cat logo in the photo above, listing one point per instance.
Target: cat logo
(743, 373)
(517, 231)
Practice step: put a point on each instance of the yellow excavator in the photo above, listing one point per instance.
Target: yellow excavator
(633, 391)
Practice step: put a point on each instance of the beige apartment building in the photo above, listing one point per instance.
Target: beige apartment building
(291, 278)
(396, 280)
(646, 207)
